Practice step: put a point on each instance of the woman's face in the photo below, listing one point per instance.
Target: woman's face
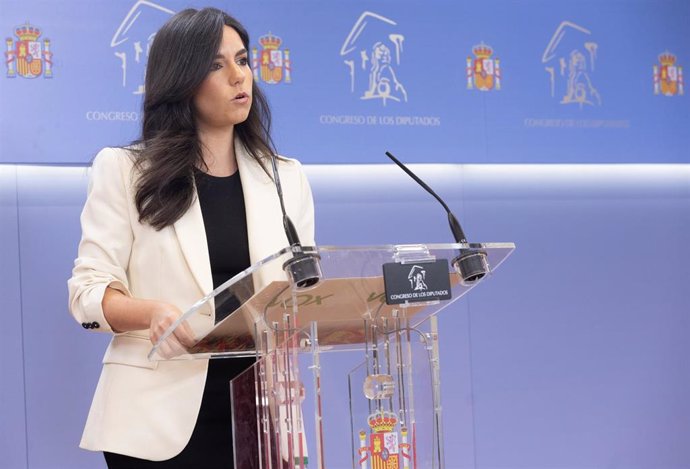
(225, 96)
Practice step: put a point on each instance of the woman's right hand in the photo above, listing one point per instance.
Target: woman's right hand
(125, 313)
(162, 316)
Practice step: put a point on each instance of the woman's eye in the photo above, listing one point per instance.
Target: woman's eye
(216, 66)
(242, 61)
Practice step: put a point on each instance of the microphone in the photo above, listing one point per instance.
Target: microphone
(472, 266)
(304, 269)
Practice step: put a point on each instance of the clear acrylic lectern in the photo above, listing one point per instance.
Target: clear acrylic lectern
(342, 379)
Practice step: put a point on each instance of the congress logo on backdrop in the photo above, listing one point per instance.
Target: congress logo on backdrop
(570, 58)
(130, 44)
(372, 52)
(668, 76)
(132, 41)
(483, 71)
(271, 65)
(28, 57)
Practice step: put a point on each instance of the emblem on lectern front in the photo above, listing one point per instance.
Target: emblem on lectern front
(385, 449)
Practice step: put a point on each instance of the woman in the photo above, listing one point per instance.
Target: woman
(166, 221)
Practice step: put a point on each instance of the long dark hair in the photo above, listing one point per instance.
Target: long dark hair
(181, 56)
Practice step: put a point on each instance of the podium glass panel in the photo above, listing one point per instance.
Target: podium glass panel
(226, 321)
(342, 379)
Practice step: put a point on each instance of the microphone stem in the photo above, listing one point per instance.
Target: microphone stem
(290, 231)
(279, 188)
(419, 181)
(455, 227)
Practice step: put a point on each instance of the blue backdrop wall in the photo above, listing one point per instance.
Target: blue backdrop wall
(438, 81)
(572, 356)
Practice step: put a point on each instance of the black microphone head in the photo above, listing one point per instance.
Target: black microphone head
(304, 269)
(472, 266)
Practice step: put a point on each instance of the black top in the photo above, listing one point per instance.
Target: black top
(222, 206)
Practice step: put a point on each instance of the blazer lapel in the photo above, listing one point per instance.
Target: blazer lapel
(192, 238)
(264, 219)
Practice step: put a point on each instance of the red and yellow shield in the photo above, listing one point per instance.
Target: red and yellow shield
(669, 80)
(384, 451)
(29, 62)
(271, 66)
(484, 74)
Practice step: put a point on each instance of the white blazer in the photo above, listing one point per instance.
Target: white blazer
(148, 409)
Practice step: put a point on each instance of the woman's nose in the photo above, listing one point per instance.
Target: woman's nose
(236, 74)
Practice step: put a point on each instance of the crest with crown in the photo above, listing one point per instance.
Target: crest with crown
(383, 422)
(28, 57)
(668, 76)
(482, 51)
(270, 42)
(272, 65)
(26, 32)
(483, 72)
(668, 59)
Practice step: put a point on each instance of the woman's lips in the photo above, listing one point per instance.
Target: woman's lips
(241, 98)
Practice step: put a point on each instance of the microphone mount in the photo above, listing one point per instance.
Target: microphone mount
(471, 265)
(304, 268)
